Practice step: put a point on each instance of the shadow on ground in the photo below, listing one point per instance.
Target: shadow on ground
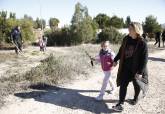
(156, 59)
(69, 98)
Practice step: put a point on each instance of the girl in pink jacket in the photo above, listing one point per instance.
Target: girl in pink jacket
(42, 44)
(106, 57)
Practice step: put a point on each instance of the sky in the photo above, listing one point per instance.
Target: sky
(64, 9)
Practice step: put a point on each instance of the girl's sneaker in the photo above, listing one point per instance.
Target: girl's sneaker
(118, 107)
(99, 97)
(112, 91)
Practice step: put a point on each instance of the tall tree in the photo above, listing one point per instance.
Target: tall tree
(87, 31)
(127, 21)
(12, 15)
(78, 14)
(116, 22)
(53, 23)
(102, 20)
(3, 14)
(39, 23)
(27, 29)
(82, 25)
(151, 25)
(26, 17)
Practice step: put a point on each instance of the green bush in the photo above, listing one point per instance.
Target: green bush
(110, 34)
(27, 30)
(59, 38)
(151, 25)
(8, 23)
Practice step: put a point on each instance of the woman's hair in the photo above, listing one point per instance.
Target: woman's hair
(104, 42)
(137, 27)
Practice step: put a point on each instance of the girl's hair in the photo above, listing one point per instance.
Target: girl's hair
(104, 42)
(138, 28)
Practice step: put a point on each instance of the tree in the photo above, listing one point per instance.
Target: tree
(85, 9)
(95, 27)
(53, 23)
(116, 22)
(12, 15)
(39, 23)
(27, 30)
(78, 14)
(60, 37)
(151, 25)
(127, 21)
(3, 14)
(87, 31)
(8, 23)
(102, 20)
(82, 28)
(36, 23)
(110, 34)
(76, 23)
(26, 17)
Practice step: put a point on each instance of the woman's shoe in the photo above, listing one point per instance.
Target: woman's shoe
(118, 107)
(133, 101)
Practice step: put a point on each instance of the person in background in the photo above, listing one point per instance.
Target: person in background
(163, 37)
(144, 35)
(16, 38)
(44, 38)
(157, 38)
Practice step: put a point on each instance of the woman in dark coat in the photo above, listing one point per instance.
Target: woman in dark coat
(133, 56)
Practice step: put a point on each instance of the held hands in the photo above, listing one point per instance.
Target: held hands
(138, 76)
(114, 64)
(92, 59)
(108, 63)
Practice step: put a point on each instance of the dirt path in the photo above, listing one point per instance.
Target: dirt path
(78, 97)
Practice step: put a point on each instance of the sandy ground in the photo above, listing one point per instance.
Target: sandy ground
(77, 97)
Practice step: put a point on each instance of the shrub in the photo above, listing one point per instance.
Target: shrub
(59, 38)
(110, 34)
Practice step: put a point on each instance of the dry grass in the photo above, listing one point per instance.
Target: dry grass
(56, 69)
(35, 53)
(52, 71)
(7, 56)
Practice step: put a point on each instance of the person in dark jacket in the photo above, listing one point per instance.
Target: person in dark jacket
(144, 35)
(157, 38)
(16, 38)
(163, 37)
(133, 56)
